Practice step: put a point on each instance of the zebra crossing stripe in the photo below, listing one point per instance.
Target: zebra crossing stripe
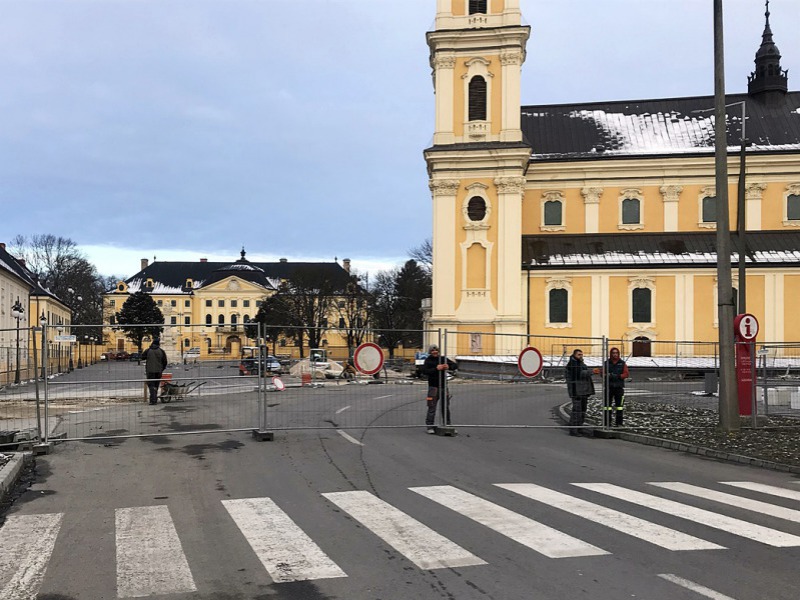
(417, 542)
(765, 535)
(695, 587)
(765, 508)
(284, 549)
(27, 542)
(766, 489)
(150, 559)
(537, 536)
(639, 528)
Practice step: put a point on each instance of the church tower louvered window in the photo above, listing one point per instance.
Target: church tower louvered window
(477, 7)
(477, 99)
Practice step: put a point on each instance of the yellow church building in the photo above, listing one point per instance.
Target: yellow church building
(598, 219)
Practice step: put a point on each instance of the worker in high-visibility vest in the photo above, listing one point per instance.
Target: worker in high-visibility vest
(616, 371)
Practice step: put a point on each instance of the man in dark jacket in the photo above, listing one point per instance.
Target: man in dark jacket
(155, 362)
(616, 372)
(579, 388)
(435, 368)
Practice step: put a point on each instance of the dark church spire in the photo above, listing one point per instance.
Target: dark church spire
(768, 78)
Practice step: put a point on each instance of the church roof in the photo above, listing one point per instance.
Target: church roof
(170, 277)
(655, 250)
(661, 127)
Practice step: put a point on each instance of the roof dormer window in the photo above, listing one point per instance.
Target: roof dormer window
(149, 284)
(189, 283)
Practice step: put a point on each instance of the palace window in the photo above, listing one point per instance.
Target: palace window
(187, 303)
(246, 303)
(208, 303)
(641, 305)
(477, 99)
(221, 303)
(208, 319)
(173, 320)
(477, 7)
(186, 343)
(173, 303)
(160, 303)
(476, 209)
(221, 320)
(187, 320)
(234, 303)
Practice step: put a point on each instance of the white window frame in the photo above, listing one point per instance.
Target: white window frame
(631, 194)
(558, 283)
(642, 282)
(553, 196)
(793, 189)
(707, 192)
(478, 130)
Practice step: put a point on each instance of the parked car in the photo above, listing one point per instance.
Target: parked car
(121, 355)
(269, 366)
(108, 356)
(135, 356)
(192, 354)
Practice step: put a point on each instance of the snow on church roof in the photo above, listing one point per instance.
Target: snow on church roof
(657, 127)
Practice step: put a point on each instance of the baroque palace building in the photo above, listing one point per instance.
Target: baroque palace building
(598, 219)
(206, 304)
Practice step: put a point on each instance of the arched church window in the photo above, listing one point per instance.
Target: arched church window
(477, 99)
(477, 7)
(641, 300)
(631, 211)
(552, 213)
(476, 208)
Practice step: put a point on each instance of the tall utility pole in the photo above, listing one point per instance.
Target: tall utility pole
(728, 404)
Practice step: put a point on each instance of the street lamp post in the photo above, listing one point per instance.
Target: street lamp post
(86, 350)
(58, 351)
(17, 311)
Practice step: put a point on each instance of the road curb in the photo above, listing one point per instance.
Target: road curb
(9, 472)
(563, 410)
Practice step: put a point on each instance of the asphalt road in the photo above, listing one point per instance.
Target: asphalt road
(344, 512)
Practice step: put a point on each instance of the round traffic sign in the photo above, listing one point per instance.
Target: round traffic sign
(530, 362)
(368, 358)
(278, 383)
(746, 326)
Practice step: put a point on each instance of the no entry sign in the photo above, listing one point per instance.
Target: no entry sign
(368, 358)
(530, 362)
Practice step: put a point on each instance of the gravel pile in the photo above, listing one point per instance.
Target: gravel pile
(776, 439)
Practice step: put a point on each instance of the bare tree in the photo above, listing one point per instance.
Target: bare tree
(423, 255)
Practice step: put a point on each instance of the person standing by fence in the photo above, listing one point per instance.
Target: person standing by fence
(579, 387)
(436, 368)
(616, 371)
(155, 362)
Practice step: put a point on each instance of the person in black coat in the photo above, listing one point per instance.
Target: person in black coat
(155, 361)
(436, 368)
(579, 387)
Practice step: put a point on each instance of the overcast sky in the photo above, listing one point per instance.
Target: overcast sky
(188, 128)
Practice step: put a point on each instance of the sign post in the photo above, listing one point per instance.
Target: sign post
(530, 362)
(368, 358)
(745, 330)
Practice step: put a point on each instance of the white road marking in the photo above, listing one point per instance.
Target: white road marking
(765, 535)
(530, 533)
(150, 559)
(382, 397)
(746, 503)
(27, 542)
(695, 587)
(284, 549)
(766, 489)
(417, 542)
(639, 528)
(341, 410)
(349, 437)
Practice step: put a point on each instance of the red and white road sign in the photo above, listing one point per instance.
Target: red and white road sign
(278, 383)
(368, 358)
(530, 362)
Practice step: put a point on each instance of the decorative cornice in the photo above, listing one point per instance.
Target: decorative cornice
(671, 193)
(553, 196)
(709, 191)
(444, 187)
(591, 195)
(558, 283)
(641, 281)
(793, 189)
(510, 185)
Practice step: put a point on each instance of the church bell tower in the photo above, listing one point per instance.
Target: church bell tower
(477, 167)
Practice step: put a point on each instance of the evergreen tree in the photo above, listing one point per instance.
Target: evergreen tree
(138, 318)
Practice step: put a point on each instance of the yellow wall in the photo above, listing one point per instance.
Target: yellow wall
(619, 310)
(705, 309)
(581, 313)
(462, 340)
(652, 209)
(476, 267)
(689, 207)
(664, 309)
(791, 315)
(772, 206)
